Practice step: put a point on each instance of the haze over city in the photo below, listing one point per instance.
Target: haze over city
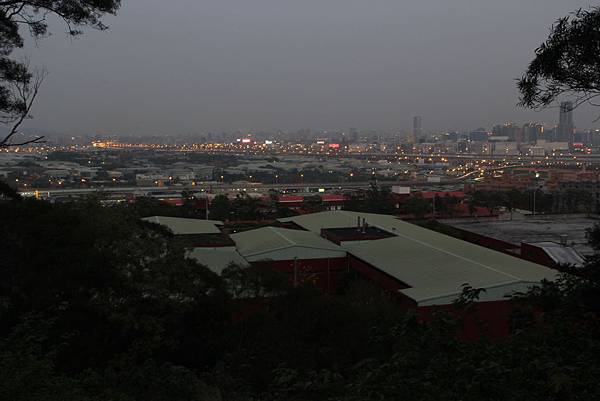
(185, 67)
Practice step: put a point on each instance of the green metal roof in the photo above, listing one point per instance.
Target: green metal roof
(217, 259)
(433, 264)
(266, 240)
(182, 226)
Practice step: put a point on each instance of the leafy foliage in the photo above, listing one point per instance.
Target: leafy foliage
(417, 206)
(568, 63)
(313, 204)
(220, 208)
(8, 192)
(375, 200)
(96, 304)
(106, 287)
(593, 236)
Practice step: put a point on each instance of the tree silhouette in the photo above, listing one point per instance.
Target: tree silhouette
(567, 63)
(19, 85)
(417, 206)
(313, 204)
(220, 207)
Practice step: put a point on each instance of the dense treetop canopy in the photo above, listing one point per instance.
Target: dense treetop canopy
(97, 304)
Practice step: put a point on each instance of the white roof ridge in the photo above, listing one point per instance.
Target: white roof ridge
(279, 248)
(274, 229)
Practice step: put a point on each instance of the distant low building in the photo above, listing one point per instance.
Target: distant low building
(552, 254)
(304, 256)
(151, 179)
(423, 267)
(424, 270)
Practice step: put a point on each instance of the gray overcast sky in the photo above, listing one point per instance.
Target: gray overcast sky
(188, 66)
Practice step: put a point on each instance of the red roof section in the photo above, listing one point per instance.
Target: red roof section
(333, 198)
(173, 202)
(431, 194)
(290, 198)
(300, 198)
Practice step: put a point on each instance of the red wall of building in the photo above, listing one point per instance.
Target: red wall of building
(485, 241)
(484, 319)
(382, 280)
(376, 276)
(326, 274)
(537, 255)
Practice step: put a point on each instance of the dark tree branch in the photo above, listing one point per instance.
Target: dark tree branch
(39, 139)
(27, 91)
(566, 65)
(18, 88)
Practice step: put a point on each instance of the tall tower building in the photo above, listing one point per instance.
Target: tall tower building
(417, 129)
(566, 127)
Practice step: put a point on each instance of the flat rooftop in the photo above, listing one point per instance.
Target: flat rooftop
(533, 229)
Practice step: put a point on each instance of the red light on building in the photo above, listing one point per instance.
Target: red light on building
(578, 145)
(334, 146)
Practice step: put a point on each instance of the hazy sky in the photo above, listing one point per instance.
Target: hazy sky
(189, 66)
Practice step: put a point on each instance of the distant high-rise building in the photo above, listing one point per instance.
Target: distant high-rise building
(595, 137)
(581, 137)
(566, 127)
(417, 129)
(450, 136)
(508, 130)
(550, 134)
(531, 132)
(479, 135)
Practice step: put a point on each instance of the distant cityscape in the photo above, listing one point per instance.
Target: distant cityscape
(510, 139)
(482, 158)
(532, 168)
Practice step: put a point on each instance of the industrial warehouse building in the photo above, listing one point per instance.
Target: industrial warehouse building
(422, 269)
(425, 270)
(205, 240)
(433, 273)
(218, 258)
(304, 255)
(274, 243)
(423, 266)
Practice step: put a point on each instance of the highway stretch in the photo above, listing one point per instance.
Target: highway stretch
(217, 188)
(591, 158)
